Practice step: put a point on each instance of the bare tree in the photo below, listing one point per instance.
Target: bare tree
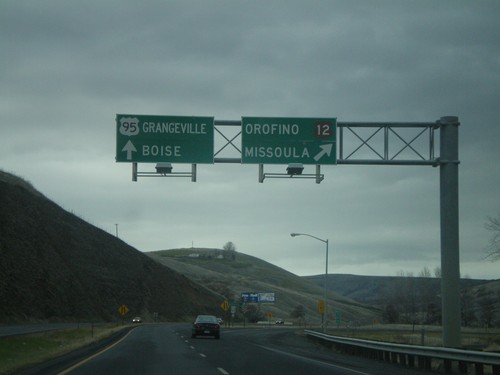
(437, 272)
(392, 297)
(229, 246)
(253, 313)
(409, 298)
(493, 248)
(487, 309)
(426, 272)
(426, 293)
(467, 302)
(230, 249)
(299, 313)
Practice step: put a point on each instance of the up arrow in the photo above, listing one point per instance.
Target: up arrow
(129, 147)
(326, 149)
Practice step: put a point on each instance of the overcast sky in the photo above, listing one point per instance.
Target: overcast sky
(68, 67)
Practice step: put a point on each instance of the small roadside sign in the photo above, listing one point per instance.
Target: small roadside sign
(225, 305)
(123, 310)
(321, 306)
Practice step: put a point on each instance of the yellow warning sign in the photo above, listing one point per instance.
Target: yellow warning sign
(123, 309)
(321, 306)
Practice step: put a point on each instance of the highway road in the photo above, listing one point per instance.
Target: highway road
(164, 349)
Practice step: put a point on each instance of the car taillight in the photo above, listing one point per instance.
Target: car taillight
(217, 326)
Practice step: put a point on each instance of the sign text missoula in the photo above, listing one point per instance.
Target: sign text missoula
(278, 140)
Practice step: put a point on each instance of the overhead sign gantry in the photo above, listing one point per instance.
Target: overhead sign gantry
(298, 141)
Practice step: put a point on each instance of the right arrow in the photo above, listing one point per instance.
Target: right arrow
(326, 149)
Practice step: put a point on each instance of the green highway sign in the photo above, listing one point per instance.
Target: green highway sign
(170, 139)
(280, 140)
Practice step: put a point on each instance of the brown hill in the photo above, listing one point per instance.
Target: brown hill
(55, 266)
(376, 290)
(414, 298)
(230, 273)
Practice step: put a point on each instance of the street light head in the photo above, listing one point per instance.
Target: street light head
(163, 168)
(309, 235)
(294, 169)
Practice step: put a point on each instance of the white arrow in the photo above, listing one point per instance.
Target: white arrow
(129, 147)
(326, 149)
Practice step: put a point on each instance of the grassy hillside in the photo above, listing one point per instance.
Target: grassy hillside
(480, 299)
(55, 266)
(230, 273)
(374, 290)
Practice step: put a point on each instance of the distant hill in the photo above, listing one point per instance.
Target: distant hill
(480, 299)
(373, 290)
(55, 266)
(230, 273)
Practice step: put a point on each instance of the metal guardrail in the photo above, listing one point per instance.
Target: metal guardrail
(409, 355)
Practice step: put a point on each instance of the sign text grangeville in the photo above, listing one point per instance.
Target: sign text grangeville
(280, 140)
(171, 139)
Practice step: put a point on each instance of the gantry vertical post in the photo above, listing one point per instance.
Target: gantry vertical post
(450, 257)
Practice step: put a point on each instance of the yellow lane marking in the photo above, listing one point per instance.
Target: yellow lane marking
(93, 356)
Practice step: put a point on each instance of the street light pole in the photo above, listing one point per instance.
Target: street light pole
(326, 274)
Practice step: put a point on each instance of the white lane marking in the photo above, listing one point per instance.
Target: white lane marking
(203, 355)
(222, 371)
(192, 347)
(315, 361)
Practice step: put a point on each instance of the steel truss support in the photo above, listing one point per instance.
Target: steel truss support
(387, 152)
(381, 143)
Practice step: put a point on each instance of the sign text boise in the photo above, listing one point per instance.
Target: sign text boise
(172, 139)
(279, 140)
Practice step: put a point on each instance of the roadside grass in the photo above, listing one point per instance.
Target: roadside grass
(18, 352)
